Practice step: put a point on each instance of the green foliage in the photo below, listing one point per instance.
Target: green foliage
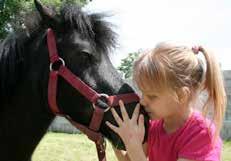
(2, 2)
(127, 64)
(12, 12)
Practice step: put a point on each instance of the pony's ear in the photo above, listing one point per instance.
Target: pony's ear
(48, 15)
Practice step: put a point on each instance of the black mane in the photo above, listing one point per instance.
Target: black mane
(91, 26)
(11, 63)
(12, 50)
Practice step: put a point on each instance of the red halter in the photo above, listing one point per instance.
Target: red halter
(93, 130)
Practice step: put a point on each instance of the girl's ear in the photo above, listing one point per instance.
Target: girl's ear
(183, 94)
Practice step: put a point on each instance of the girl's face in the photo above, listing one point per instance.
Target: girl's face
(159, 106)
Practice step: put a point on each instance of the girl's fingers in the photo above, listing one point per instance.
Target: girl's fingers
(141, 126)
(123, 111)
(114, 128)
(141, 122)
(116, 117)
(136, 113)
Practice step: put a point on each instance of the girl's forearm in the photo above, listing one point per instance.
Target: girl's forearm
(136, 154)
(121, 155)
(138, 157)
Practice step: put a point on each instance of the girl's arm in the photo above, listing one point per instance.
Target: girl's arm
(123, 155)
(131, 131)
(137, 154)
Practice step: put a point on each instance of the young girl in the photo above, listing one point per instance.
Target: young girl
(170, 78)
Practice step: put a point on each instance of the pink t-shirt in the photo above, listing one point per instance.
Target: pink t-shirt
(193, 141)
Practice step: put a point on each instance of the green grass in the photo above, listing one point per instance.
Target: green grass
(68, 147)
(77, 147)
(226, 154)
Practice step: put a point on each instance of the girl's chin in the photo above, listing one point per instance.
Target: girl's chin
(152, 116)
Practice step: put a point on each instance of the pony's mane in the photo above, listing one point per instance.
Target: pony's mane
(12, 58)
(89, 25)
(11, 63)
(92, 26)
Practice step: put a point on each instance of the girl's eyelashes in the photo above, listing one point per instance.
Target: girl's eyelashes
(151, 96)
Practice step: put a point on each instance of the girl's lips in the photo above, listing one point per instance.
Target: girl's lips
(149, 113)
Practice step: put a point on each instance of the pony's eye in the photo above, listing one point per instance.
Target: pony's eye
(86, 55)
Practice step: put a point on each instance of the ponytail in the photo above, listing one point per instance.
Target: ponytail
(214, 85)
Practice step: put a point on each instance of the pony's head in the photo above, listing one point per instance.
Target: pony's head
(84, 42)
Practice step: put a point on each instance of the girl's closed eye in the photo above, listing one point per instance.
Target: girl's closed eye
(151, 97)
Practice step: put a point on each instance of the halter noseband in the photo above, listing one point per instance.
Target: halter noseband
(90, 94)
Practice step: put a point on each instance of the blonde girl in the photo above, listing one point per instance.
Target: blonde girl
(170, 78)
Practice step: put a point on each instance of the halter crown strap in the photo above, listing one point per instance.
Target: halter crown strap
(53, 53)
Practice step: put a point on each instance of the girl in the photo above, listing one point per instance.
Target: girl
(170, 78)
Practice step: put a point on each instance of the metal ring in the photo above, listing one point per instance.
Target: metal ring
(60, 59)
(104, 95)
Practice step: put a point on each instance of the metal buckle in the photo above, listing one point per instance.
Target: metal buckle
(62, 63)
(102, 95)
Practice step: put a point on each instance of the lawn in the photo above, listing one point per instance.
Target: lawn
(70, 147)
(227, 151)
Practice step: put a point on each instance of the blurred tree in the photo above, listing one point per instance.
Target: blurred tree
(2, 2)
(127, 64)
(12, 12)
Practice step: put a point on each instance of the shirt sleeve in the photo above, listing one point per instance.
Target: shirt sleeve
(197, 146)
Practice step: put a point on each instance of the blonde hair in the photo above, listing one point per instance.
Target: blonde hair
(171, 67)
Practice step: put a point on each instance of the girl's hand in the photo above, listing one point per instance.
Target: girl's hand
(130, 131)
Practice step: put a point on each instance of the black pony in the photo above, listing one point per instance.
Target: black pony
(83, 41)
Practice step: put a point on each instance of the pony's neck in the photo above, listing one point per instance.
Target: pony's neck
(25, 116)
(22, 125)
